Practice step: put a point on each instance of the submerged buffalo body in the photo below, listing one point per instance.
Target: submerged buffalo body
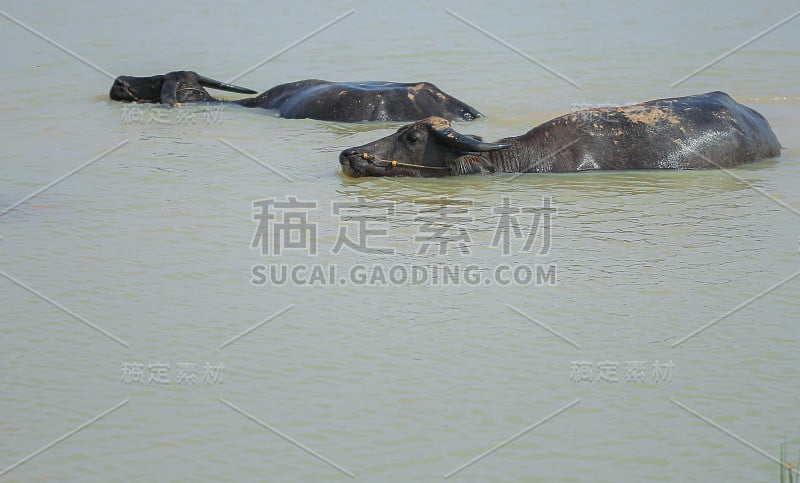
(696, 132)
(313, 99)
(362, 101)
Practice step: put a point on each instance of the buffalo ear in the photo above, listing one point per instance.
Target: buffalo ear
(471, 164)
(169, 90)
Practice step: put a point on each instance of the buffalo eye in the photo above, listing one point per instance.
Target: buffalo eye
(413, 136)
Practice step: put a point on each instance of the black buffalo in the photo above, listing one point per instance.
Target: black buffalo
(696, 132)
(362, 101)
(313, 99)
(171, 89)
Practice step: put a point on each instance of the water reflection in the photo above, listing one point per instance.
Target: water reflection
(582, 185)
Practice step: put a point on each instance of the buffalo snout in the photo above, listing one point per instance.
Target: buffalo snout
(352, 162)
(356, 162)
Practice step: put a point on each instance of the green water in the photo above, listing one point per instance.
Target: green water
(152, 245)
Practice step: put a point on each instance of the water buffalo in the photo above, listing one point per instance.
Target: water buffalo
(313, 98)
(362, 101)
(696, 132)
(170, 89)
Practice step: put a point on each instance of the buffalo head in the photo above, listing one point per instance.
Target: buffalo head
(430, 147)
(170, 89)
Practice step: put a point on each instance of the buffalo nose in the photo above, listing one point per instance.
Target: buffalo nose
(350, 152)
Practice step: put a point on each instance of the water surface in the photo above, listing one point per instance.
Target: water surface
(390, 381)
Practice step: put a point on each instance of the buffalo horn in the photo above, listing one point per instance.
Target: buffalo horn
(223, 86)
(466, 143)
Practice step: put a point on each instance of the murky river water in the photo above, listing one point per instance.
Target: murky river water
(145, 337)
